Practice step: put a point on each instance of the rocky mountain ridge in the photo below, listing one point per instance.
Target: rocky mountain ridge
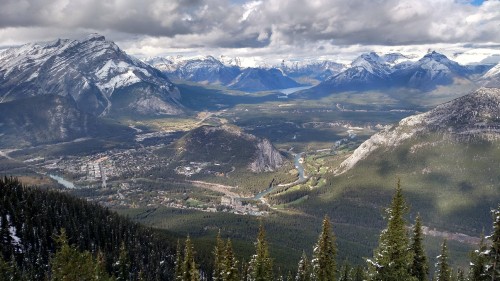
(471, 117)
(95, 73)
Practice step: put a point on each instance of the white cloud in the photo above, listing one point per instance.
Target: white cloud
(266, 28)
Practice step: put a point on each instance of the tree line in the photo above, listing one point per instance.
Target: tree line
(400, 256)
(46, 235)
(37, 226)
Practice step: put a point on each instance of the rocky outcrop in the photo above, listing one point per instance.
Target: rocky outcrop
(267, 157)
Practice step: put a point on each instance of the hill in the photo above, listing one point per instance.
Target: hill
(31, 218)
(228, 146)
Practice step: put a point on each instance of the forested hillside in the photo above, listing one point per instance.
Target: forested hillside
(31, 222)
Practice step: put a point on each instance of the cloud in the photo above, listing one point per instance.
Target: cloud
(268, 25)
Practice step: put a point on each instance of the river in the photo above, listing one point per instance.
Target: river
(62, 181)
(302, 177)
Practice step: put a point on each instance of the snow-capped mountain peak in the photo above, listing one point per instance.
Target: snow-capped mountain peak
(90, 71)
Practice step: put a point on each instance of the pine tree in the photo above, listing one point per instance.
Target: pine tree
(493, 253)
(392, 259)
(304, 269)
(443, 270)
(358, 274)
(122, 266)
(477, 271)
(189, 268)
(261, 267)
(69, 264)
(230, 264)
(178, 263)
(324, 254)
(460, 275)
(345, 272)
(420, 266)
(218, 258)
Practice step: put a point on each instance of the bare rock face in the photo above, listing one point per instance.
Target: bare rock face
(267, 157)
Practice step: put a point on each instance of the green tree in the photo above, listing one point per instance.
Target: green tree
(69, 264)
(460, 275)
(303, 269)
(393, 259)
(420, 266)
(178, 262)
(324, 254)
(189, 267)
(261, 266)
(230, 264)
(477, 270)
(122, 266)
(218, 258)
(358, 274)
(493, 253)
(345, 272)
(443, 270)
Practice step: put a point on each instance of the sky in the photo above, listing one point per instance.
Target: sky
(263, 30)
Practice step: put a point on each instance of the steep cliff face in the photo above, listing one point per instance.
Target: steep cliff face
(266, 158)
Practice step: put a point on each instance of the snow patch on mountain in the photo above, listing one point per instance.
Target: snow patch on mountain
(473, 115)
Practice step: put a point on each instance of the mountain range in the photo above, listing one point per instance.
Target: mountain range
(226, 72)
(371, 72)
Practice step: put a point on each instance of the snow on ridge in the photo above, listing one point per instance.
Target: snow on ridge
(478, 105)
(391, 137)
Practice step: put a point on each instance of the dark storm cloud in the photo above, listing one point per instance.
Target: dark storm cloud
(256, 24)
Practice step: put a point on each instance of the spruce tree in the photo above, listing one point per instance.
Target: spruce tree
(218, 258)
(122, 266)
(261, 267)
(70, 264)
(393, 259)
(477, 271)
(420, 266)
(303, 269)
(358, 274)
(493, 253)
(345, 272)
(324, 255)
(230, 264)
(443, 270)
(460, 275)
(189, 268)
(178, 262)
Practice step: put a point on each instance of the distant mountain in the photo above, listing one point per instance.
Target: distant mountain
(258, 79)
(98, 76)
(224, 71)
(428, 72)
(203, 69)
(368, 71)
(373, 72)
(319, 70)
(492, 77)
(228, 146)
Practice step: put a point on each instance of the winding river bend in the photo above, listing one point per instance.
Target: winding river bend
(302, 177)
